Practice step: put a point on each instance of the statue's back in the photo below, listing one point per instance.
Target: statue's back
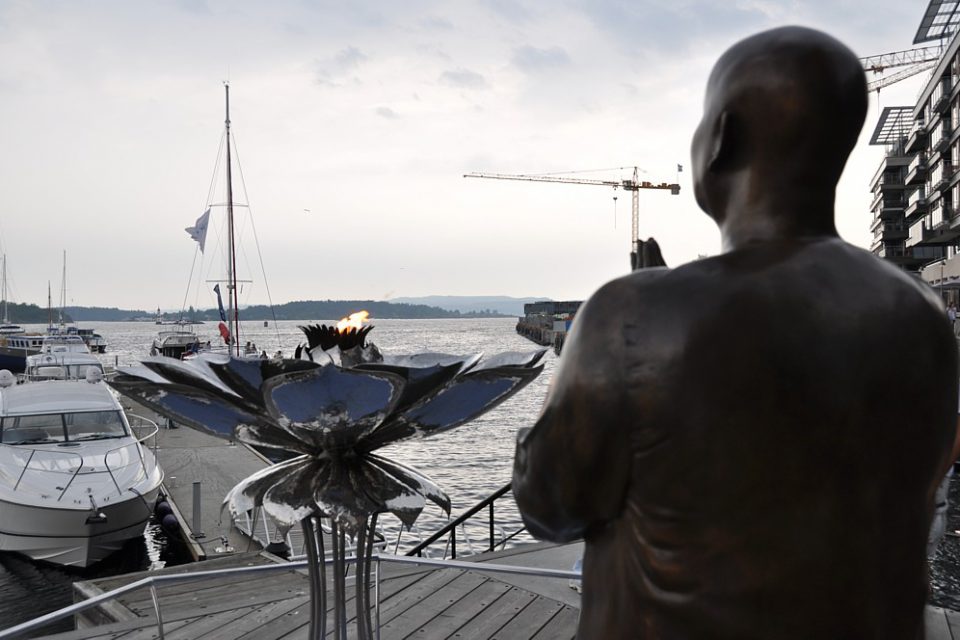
(783, 453)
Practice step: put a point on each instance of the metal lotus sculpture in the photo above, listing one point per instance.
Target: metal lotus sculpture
(324, 414)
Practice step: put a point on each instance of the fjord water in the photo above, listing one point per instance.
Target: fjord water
(469, 462)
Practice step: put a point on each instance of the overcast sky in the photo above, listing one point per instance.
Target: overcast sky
(355, 122)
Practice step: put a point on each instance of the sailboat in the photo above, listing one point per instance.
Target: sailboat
(229, 325)
(6, 328)
(15, 343)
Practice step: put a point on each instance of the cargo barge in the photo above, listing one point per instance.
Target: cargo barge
(548, 322)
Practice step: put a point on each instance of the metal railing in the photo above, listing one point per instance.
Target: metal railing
(450, 529)
(60, 454)
(152, 582)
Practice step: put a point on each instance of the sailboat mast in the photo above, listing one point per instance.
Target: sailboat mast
(63, 287)
(5, 319)
(231, 251)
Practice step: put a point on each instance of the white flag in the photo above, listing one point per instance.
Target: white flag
(199, 230)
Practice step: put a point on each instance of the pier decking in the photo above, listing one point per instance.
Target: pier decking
(415, 602)
(188, 456)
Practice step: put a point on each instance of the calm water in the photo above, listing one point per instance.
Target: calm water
(469, 462)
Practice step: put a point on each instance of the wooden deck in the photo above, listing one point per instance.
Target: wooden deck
(415, 602)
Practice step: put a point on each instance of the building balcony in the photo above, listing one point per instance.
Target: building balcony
(916, 206)
(940, 99)
(942, 143)
(885, 204)
(942, 180)
(917, 171)
(943, 231)
(917, 139)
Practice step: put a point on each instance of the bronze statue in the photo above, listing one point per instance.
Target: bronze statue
(749, 443)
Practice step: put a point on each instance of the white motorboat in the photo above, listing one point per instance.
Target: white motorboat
(75, 481)
(62, 357)
(176, 342)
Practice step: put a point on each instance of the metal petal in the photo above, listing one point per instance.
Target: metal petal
(248, 493)
(414, 479)
(194, 372)
(421, 382)
(245, 377)
(271, 437)
(511, 359)
(292, 497)
(358, 488)
(190, 405)
(421, 360)
(466, 398)
(330, 407)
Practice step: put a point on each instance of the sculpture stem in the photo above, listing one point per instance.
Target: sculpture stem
(339, 606)
(363, 631)
(317, 575)
(368, 553)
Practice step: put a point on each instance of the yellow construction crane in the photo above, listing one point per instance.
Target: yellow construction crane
(633, 185)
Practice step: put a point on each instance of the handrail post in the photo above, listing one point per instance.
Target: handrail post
(156, 607)
(492, 546)
(453, 543)
(376, 595)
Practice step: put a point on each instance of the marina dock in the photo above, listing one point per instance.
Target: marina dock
(188, 456)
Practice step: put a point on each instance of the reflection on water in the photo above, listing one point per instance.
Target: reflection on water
(29, 589)
(945, 565)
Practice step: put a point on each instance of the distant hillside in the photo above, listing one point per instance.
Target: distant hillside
(32, 314)
(298, 310)
(505, 305)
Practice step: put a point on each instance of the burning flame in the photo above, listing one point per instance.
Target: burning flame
(353, 321)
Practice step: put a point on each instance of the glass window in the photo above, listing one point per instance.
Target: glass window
(94, 425)
(32, 429)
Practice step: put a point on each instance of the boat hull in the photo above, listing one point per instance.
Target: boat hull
(81, 539)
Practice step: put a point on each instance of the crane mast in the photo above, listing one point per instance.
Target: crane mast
(633, 185)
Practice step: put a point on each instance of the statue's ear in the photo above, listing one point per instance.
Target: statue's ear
(721, 142)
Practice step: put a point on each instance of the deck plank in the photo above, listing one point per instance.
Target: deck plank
(496, 616)
(935, 622)
(953, 621)
(530, 621)
(462, 612)
(562, 626)
(433, 605)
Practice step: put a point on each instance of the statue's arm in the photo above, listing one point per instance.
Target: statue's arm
(571, 468)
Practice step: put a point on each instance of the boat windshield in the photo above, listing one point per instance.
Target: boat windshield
(62, 427)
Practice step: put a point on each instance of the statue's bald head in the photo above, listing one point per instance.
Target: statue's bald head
(787, 104)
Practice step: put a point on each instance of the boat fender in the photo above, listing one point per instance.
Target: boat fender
(7, 379)
(162, 509)
(170, 523)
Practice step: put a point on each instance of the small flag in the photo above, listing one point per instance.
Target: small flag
(223, 316)
(224, 333)
(198, 231)
(679, 168)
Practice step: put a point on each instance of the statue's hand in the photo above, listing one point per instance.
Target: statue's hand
(649, 255)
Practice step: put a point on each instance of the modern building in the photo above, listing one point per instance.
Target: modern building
(916, 189)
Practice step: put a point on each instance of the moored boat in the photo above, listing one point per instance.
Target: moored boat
(75, 481)
(176, 342)
(62, 357)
